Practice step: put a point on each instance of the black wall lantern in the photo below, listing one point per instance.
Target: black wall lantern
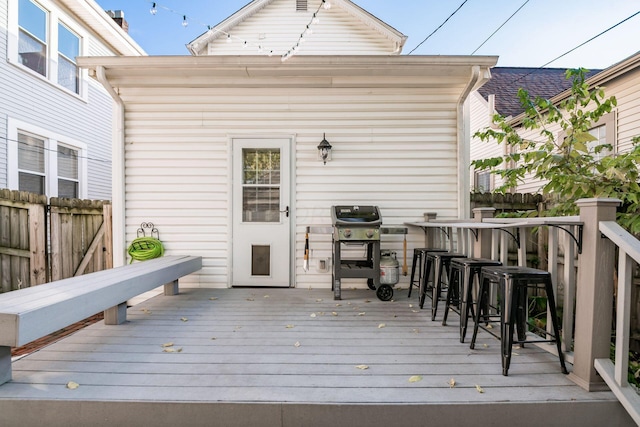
(324, 150)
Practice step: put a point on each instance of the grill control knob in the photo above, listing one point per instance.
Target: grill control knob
(347, 233)
(370, 233)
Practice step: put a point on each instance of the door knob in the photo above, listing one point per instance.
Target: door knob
(286, 211)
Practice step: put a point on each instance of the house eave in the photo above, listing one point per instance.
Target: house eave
(307, 71)
(104, 26)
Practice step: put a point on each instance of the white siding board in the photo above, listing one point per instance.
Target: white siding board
(281, 25)
(395, 149)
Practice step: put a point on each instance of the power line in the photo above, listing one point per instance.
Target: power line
(498, 29)
(579, 46)
(440, 26)
(31, 149)
(591, 39)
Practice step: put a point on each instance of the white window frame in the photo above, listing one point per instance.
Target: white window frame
(51, 141)
(55, 17)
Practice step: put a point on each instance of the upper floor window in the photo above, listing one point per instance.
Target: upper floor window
(596, 146)
(482, 181)
(68, 50)
(48, 42)
(32, 38)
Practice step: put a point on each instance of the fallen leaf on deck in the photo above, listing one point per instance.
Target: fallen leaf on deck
(415, 331)
(297, 344)
(184, 319)
(480, 389)
(167, 344)
(146, 311)
(266, 296)
(312, 315)
(172, 350)
(319, 300)
(452, 383)
(361, 314)
(415, 379)
(333, 313)
(338, 305)
(213, 338)
(250, 299)
(289, 326)
(489, 326)
(381, 325)
(71, 385)
(213, 298)
(362, 367)
(366, 301)
(410, 305)
(415, 311)
(485, 345)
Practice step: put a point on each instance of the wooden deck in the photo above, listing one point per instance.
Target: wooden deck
(291, 357)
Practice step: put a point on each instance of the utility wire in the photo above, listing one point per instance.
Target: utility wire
(498, 29)
(591, 39)
(579, 46)
(440, 26)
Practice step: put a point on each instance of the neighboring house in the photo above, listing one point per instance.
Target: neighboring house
(222, 150)
(616, 128)
(55, 122)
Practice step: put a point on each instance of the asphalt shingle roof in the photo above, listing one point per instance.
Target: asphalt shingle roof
(505, 82)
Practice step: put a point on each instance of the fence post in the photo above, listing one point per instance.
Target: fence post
(482, 246)
(37, 244)
(594, 296)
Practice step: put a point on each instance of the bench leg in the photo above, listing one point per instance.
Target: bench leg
(116, 315)
(171, 288)
(5, 364)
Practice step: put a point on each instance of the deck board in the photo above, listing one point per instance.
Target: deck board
(239, 346)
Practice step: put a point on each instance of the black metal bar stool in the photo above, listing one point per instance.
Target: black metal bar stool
(419, 259)
(462, 273)
(513, 284)
(440, 262)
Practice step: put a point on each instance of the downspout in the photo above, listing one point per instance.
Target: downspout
(117, 171)
(464, 144)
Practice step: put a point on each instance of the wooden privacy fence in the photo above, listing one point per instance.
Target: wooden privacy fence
(41, 242)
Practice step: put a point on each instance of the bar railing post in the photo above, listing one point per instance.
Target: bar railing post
(594, 294)
(482, 246)
(429, 233)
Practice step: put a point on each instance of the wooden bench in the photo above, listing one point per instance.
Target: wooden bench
(31, 313)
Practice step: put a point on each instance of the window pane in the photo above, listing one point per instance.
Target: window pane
(68, 43)
(32, 53)
(67, 162)
(33, 19)
(67, 189)
(31, 183)
(32, 38)
(30, 153)
(68, 74)
(261, 204)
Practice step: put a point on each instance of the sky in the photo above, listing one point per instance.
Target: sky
(540, 32)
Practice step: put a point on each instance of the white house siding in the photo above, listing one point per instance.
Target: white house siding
(481, 119)
(281, 25)
(395, 148)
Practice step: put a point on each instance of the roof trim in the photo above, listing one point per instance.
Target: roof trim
(616, 70)
(104, 27)
(196, 45)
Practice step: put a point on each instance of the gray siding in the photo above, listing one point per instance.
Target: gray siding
(33, 100)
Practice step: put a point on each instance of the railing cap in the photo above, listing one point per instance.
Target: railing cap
(598, 202)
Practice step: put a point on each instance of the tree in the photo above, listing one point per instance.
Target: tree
(570, 164)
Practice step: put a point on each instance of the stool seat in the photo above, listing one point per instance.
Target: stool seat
(462, 273)
(513, 284)
(440, 262)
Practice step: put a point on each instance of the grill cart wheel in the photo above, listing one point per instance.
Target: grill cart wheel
(371, 285)
(384, 292)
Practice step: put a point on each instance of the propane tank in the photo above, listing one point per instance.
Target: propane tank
(389, 268)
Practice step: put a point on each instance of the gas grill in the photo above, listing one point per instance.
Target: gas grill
(357, 226)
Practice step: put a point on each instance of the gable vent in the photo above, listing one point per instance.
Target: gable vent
(301, 5)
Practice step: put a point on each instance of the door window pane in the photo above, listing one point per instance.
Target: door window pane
(32, 38)
(261, 185)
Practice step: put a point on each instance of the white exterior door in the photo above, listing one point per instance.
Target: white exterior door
(261, 212)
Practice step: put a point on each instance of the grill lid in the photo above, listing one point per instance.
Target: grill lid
(356, 216)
